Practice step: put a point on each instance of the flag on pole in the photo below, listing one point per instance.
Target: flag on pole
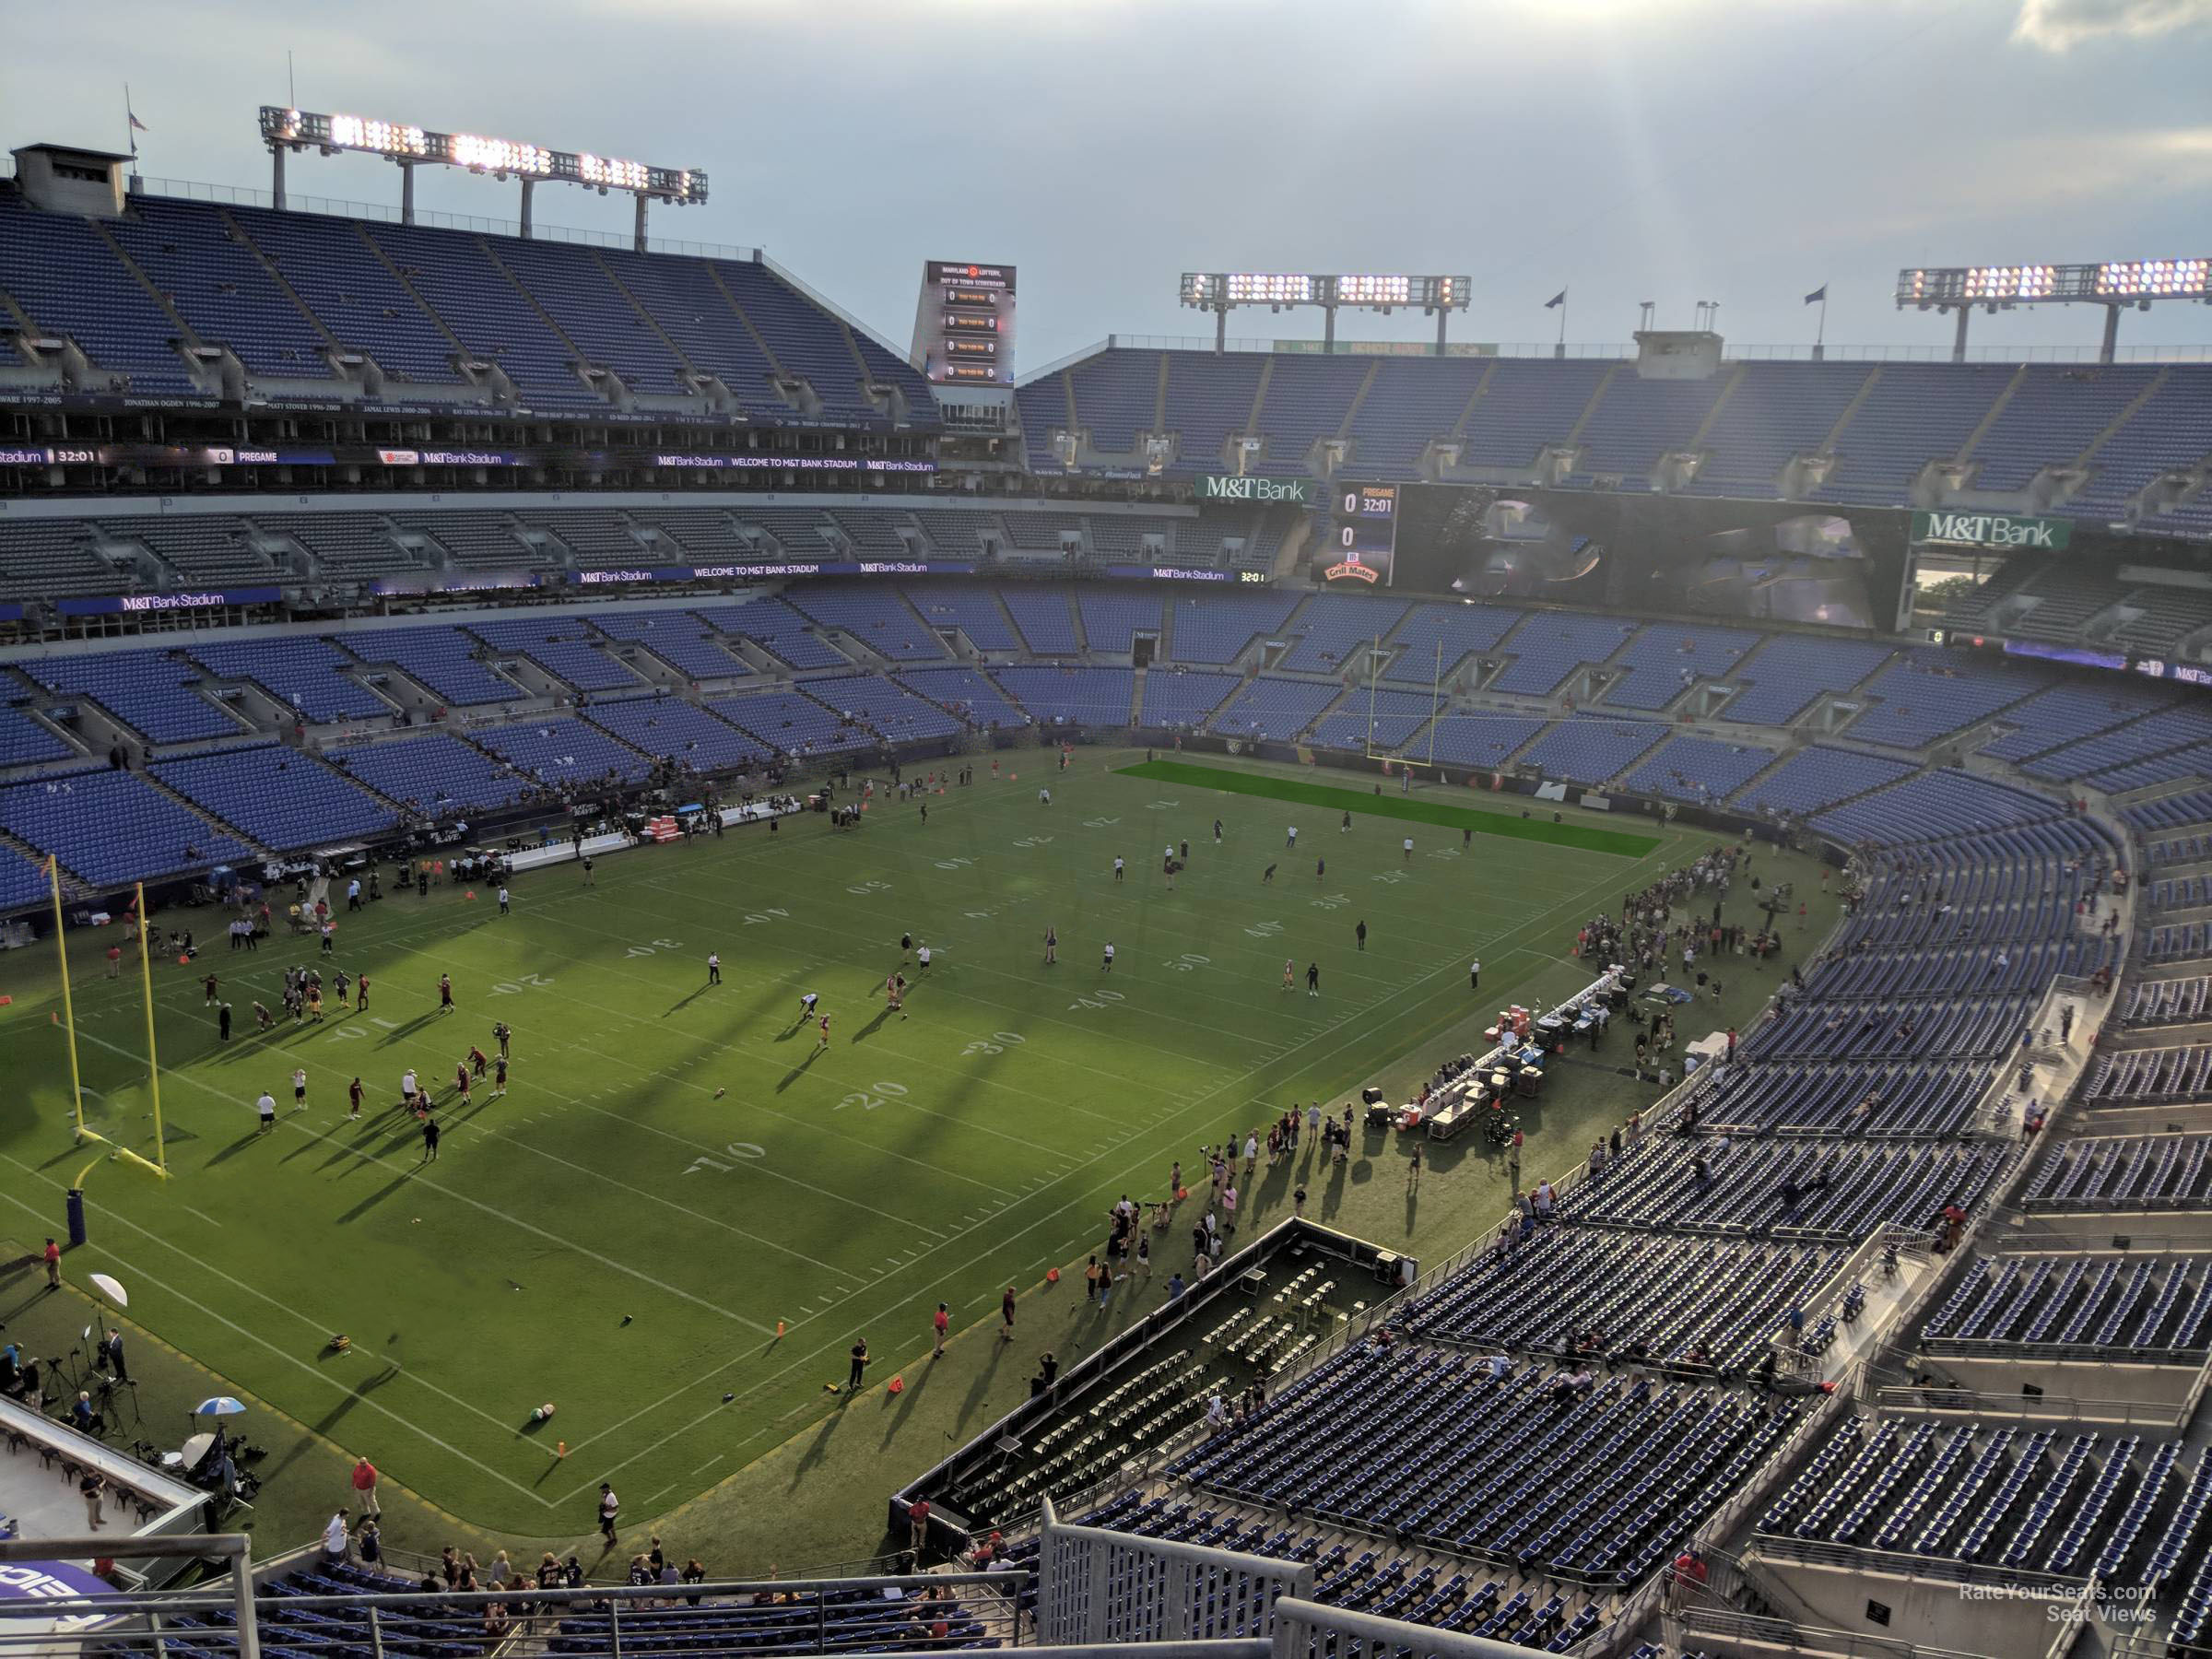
(1557, 300)
(137, 125)
(1818, 295)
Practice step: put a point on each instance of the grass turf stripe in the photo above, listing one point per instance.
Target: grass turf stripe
(1620, 843)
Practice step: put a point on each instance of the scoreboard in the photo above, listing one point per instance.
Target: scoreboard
(964, 324)
(1365, 535)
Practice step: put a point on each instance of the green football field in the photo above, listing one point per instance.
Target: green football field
(678, 1171)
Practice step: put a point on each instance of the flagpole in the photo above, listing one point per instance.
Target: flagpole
(1559, 351)
(130, 123)
(1820, 332)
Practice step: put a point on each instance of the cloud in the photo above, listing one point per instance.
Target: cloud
(2061, 25)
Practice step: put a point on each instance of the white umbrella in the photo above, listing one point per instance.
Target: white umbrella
(111, 1290)
(221, 1405)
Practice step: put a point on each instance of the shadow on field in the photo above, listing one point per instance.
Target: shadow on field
(235, 1147)
(798, 1071)
(377, 1198)
(400, 1032)
(681, 1003)
(328, 1421)
(907, 1400)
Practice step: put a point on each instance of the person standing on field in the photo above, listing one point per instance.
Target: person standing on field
(939, 1323)
(364, 1486)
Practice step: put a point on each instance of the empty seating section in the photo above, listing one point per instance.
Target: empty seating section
(1047, 626)
(1480, 740)
(1688, 1304)
(1817, 777)
(1436, 639)
(23, 883)
(778, 629)
(2128, 1171)
(1933, 804)
(1786, 676)
(45, 558)
(1526, 404)
(197, 548)
(1775, 412)
(2026, 1499)
(1184, 697)
(344, 544)
(805, 341)
(789, 723)
(2150, 1074)
(1698, 768)
(2052, 719)
(571, 286)
(1927, 694)
(966, 693)
(564, 647)
(1208, 399)
(2060, 602)
(113, 827)
(1666, 658)
(1637, 421)
(2174, 942)
(352, 293)
(1214, 631)
(956, 533)
(435, 774)
(62, 272)
(456, 278)
(1915, 413)
(1589, 750)
(705, 533)
(477, 541)
(1307, 399)
(976, 612)
(1594, 1484)
(678, 637)
(1274, 710)
(799, 532)
(224, 293)
(1116, 393)
(444, 660)
(1369, 721)
(1112, 621)
(2170, 811)
(2054, 414)
(599, 539)
(891, 711)
(1333, 630)
(564, 752)
(873, 535)
(310, 677)
(2138, 739)
(2113, 1306)
(1098, 697)
(2195, 761)
(1411, 404)
(878, 618)
(683, 298)
(151, 691)
(2172, 429)
(1809, 1189)
(25, 741)
(1900, 1101)
(1549, 646)
(2167, 1001)
(678, 731)
(281, 799)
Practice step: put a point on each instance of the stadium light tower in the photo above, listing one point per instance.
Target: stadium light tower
(2116, 284)
(288, 131)
(1221, 292)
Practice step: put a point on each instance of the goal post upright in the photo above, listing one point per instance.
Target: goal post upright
(61, 951)
(153, 1056)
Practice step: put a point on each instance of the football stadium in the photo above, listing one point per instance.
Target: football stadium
(1320, 997)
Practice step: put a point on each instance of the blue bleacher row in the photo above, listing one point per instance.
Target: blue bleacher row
(1707, 1304)
(2166, 1001)
(2150, 1074)
(1880, 425)
(1798, 1189)
(1595, 1484)
(2125, 1508)
(2113, 1307)
(2124, 1171)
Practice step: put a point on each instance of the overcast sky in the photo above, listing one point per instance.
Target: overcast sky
(1743, 152)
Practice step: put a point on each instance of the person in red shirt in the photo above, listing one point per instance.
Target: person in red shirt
(477, 1061)
(461, 1079)
(942, 1320)
(364, 1486)
(360, 994)
(53, 1266)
